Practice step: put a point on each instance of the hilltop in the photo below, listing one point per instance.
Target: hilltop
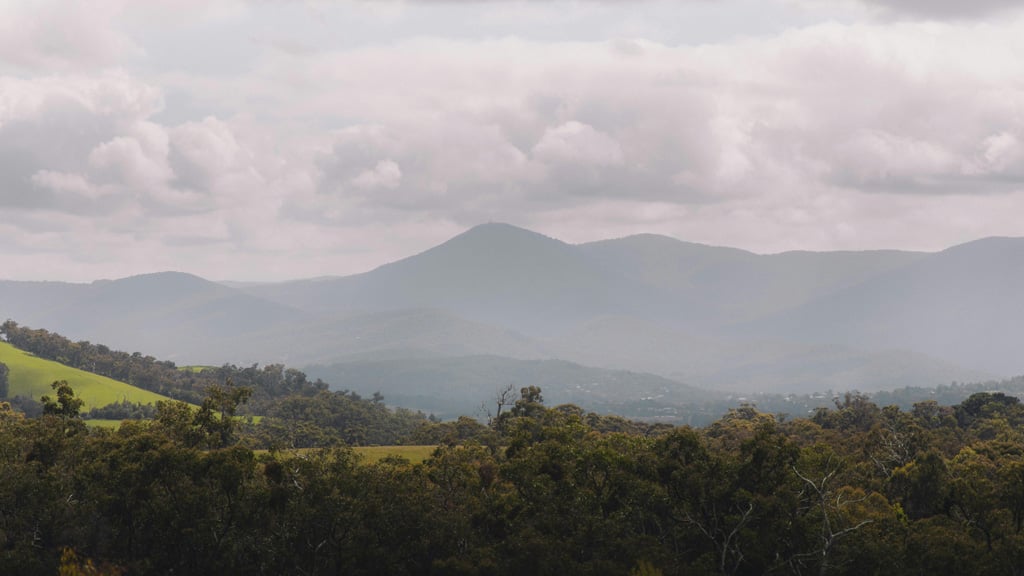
(31, 376)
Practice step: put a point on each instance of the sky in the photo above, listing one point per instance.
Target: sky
(280, 139)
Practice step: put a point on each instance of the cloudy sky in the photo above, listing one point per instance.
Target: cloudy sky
(275, 139)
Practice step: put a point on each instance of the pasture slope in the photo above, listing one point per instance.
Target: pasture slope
(31, 376)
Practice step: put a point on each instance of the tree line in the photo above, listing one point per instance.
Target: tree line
(268, 383)
(851, 489)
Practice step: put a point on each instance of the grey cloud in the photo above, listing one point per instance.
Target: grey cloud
(57, 136)
(86, 146)
(16, 189)
(945, 9)
(354, 151)
(49, 34)
(927, 8)
(433, 165)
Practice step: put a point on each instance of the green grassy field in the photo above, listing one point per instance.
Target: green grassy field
(97, 423)
(31, 376)
(414, 454)
(195, 369)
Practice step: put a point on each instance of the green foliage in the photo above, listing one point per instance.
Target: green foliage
(328, 418)
(123, 410)
(4, 383)
(854, 490)
(65, 405)
(215, 418)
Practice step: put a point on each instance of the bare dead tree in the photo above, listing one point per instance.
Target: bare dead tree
(832, 502)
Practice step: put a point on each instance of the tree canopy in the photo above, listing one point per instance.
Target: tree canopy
(854, 489)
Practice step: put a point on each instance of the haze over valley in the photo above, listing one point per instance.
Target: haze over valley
(498, 304)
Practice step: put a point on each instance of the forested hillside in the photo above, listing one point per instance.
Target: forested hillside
(293, 411)
(857, 489)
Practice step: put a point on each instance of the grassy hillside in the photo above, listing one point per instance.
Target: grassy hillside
(32, 376)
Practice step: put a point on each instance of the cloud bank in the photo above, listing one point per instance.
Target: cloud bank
(829, 136)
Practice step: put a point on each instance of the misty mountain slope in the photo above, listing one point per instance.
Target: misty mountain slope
(492, 273)
(30, 302)
(505, 275)
(744, 365)
(669, 279)
(419, 333)
(452, 386)
(709, 316)
(170, 314)
(811, 368)
(964, 304)
(712, 287)
(631, 343)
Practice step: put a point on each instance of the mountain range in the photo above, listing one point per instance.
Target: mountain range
(712, 317)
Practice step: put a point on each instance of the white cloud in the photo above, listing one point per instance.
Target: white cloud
(577, 143)
(871, 158)
(1000, 153)
(123, 160)
(72, 184)
(386, 174)
(202, 151)
(66, 35)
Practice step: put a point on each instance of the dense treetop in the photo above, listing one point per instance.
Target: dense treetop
(853, 489)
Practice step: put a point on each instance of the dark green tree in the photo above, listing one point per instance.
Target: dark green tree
(66, 405)
(4, 386)
(216, 415)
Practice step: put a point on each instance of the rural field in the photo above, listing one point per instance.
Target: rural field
(414, 454)
(374, 454)
(31, 376)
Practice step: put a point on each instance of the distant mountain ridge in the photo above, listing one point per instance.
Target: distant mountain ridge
(492, 273)
(964, 304)
(709, 316)
(168, 314)
(511, 276)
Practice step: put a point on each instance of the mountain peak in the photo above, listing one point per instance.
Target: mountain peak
(996, 243)
(164, 275)
(502, 232)
(490, 244)
(171, 281)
